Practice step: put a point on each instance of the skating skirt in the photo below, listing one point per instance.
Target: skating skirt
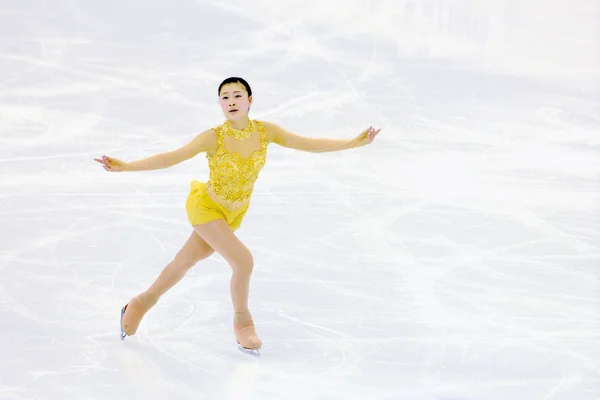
(201, 208)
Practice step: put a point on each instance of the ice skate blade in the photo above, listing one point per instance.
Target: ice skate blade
(252, 352)
(123, 334)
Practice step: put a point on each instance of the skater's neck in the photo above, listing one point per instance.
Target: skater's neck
(240, 124)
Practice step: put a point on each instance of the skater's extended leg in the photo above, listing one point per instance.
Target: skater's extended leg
(194, 250)
(219, 236)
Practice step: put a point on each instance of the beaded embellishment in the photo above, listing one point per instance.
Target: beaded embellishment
(239, 134)
(232, 176)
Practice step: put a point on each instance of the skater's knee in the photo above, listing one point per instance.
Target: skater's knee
(243, 265)
(247, 268)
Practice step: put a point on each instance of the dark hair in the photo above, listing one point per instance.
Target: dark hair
(235, 79)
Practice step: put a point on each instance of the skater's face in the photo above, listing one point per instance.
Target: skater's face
(234, 100)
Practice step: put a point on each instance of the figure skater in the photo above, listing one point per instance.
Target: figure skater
(236, 153)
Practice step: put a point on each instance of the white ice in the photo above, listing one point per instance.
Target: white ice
(456, 258)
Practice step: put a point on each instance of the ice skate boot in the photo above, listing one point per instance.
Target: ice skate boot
(131, 316)
(245, 334)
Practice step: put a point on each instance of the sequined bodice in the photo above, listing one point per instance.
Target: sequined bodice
(232, 176)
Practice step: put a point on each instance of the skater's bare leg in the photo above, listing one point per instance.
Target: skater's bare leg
(194, 250)
(219, 236)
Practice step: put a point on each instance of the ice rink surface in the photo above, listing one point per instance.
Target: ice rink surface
(456, 258)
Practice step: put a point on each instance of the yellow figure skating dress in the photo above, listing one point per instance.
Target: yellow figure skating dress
(227, 193)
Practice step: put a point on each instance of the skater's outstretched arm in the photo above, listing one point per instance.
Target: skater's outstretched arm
(203, 142)
(277, 134)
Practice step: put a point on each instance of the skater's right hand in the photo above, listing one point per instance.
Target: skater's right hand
(112, 164)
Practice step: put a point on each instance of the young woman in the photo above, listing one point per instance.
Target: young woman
(236, 152)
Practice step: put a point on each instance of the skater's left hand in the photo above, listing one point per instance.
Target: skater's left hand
(366, 137)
